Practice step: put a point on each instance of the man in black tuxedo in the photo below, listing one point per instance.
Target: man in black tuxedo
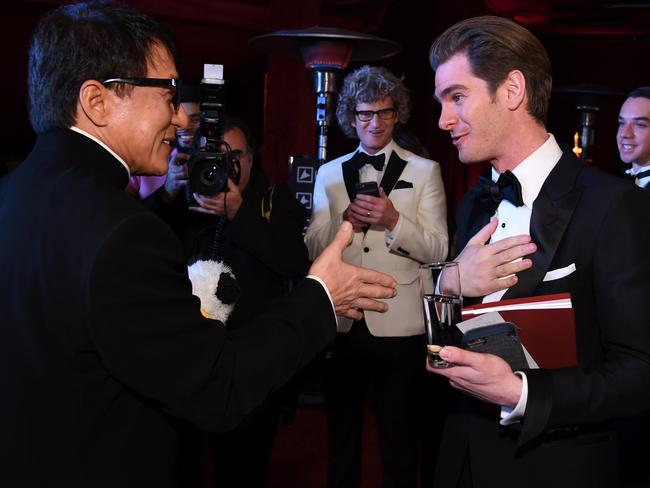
(102, 342)
(633, 135)
(493, 80)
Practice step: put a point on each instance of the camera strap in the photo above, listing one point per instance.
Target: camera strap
(214, 251)
(267, 203)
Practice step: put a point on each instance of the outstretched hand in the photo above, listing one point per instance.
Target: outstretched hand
(352, 288)
(484, 376)
(486, 268)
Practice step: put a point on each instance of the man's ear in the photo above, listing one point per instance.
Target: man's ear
(95, 102)
(515, 85)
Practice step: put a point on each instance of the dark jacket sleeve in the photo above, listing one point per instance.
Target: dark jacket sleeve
(613, 330)
(269, 226)
(148, 330)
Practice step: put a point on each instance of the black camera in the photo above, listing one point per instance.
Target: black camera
(213, 163)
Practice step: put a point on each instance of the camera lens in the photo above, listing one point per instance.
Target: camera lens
(207, 176)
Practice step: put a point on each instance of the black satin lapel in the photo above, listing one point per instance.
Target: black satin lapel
(552, 212)
(471, 218)
(350, 177)
(393, 171)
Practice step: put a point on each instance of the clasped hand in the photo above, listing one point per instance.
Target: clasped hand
(368, 210)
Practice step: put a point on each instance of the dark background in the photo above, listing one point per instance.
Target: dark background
(593, 42)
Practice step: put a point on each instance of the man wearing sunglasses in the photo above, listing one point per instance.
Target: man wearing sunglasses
(103, 345)
(401, 226)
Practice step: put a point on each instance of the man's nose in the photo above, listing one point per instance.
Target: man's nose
(446, 120)
(375, 120)
(625, 130)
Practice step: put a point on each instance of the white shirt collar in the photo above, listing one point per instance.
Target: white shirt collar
(387, 150)
(83, 132)
(533, 171)
(636, 169)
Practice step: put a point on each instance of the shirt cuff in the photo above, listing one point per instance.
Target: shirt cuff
(392, 234)
(513, 415)
(316, 278)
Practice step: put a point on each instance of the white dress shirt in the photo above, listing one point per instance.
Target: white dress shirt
(531, 173)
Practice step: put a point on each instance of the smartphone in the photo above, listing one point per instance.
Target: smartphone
(500, 339)
(367, 188)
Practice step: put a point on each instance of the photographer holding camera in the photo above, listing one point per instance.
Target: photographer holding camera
(256, 229)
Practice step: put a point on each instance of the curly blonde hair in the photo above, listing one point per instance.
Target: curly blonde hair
(369, 84)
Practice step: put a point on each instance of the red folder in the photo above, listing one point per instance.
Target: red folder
(548, 333)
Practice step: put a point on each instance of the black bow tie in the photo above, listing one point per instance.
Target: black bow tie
(491, 194)
(636, 177)
(360, 159)
(642, 174)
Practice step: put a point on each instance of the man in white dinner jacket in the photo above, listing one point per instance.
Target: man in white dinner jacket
(401, 227)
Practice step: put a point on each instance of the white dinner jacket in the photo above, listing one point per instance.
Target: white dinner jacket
(414, 186)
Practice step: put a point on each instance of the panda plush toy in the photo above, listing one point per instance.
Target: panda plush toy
(215, 285)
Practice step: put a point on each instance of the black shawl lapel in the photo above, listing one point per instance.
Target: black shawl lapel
(471, 214)
(552, 212)
(393, 171)
(350, 176)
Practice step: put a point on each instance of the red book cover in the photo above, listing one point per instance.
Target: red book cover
(546, 326)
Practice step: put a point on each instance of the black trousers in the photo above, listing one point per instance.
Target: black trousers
(394, 367)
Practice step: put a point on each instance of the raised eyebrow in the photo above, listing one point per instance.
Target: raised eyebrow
(444, 93)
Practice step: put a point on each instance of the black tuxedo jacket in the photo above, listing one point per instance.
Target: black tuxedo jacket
(101, 340)
(596, 222)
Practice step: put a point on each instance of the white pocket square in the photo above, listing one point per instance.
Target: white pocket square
(556, 274)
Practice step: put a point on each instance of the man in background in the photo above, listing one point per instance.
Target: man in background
(255, 228)
(398, 228)
(633, 135)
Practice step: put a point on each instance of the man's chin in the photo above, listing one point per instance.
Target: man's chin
(466, 158)
(159, 169)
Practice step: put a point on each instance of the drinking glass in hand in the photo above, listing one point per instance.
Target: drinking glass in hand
(442, 301)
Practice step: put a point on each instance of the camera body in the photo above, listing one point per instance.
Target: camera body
(213, 163)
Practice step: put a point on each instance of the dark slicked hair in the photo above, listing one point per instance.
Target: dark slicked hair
(494, 47)
(92, 40)
(640, 92)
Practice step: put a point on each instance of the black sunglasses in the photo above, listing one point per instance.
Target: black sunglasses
(170, 83)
